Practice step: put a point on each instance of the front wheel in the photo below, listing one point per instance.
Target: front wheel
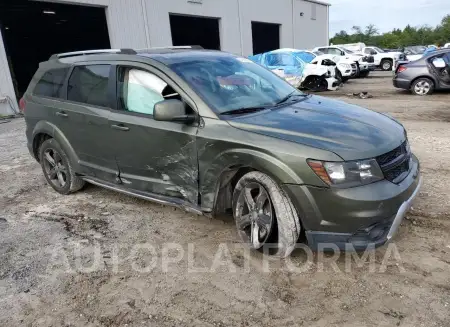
(265, 217)
(386, 65)
(364, 74)
(422, 86)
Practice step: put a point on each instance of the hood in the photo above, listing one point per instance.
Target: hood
(349, 131)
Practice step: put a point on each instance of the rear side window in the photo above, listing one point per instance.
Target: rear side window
(89, 85)
(51, 84)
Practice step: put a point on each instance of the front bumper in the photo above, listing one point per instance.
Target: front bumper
(364, 67)
(362, 216)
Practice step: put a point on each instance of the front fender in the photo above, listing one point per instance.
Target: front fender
(45, 127)
(238, 158)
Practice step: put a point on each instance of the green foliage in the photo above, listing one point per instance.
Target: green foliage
(397, 38)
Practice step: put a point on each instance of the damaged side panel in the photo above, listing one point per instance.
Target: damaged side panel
(222, 152)
(157, 157)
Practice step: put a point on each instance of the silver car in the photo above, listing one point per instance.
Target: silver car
(425, 75)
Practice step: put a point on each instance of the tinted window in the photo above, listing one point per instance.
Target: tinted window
(140, 90)
(51, 84)
(367, 50)
(89, 84)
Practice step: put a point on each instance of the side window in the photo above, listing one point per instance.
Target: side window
(368, 51)
(334, 51)
(281, 59)
(89, 85)
(51, 84)
(140, 90)
(324, 50)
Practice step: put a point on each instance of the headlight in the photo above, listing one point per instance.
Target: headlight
(347, 173)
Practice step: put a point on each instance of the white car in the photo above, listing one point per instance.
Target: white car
(363, 63)
(414, 53)
(345, 67)
(384, 60)
(288, 65)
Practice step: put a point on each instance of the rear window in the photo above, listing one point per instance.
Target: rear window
(51, 84)
(89, 85)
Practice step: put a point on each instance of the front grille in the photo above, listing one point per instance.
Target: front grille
(395, 163)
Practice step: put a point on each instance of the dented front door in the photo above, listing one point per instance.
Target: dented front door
(153, 156)
(156, 157)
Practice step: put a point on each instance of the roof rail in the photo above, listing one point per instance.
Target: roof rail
(181, 47)
(90, 52)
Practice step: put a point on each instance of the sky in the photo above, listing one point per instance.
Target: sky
(385, 14)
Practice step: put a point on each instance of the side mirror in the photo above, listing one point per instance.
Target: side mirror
(172, 110)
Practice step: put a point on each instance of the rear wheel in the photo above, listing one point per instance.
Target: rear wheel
(57, 169)
(422, 86)
(265, 217)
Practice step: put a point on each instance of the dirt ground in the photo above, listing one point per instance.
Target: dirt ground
(80, 260)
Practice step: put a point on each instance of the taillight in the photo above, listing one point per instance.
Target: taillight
(401, 69)
(22, 104)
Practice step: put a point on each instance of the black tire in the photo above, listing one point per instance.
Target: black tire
(422, 86)
(339, 76)
(358, 70)
(364, 74)
(280, 238)
(386, 64)
(345, 79)
(57, 168)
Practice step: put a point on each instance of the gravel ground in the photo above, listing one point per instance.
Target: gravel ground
(98, 258)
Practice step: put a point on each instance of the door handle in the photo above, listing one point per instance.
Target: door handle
(120, 127)
(61, 114)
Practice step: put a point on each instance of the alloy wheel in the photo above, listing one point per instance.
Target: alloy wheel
(254, 215)
(54, 167)
(422, 87)
(386, 65)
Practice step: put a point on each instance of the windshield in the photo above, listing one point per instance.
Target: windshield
(378, 50)
(230, 83)
(347, 50)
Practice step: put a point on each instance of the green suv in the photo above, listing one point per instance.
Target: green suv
(214, 133)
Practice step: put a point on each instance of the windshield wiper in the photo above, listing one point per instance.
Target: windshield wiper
(243, 110)
(290, 96)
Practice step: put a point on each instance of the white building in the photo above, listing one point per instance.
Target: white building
(31, 30)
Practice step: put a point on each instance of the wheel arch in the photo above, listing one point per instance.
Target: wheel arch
(45, 130)
(224, 171)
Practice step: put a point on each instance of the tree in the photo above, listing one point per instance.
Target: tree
(397, 38)
(371, 30)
